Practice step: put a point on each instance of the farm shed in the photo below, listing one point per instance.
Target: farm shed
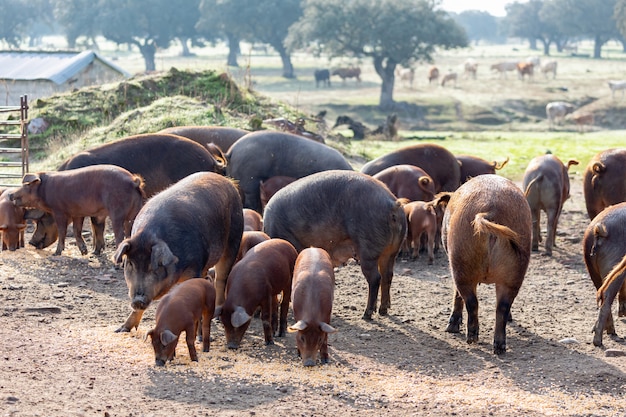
(41, 74)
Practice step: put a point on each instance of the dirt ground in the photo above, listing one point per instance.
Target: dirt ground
(59, 355)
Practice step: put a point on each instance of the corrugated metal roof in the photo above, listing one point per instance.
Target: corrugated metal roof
(57, 67)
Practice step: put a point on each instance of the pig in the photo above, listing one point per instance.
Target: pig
(160, 159)
(614, 283)
(603, 249)
(97, 191)
(313, 289)
(437, 161)
(348, 214)
(182, 309)
(221, 136)
(422, 220)
(260, 155)
(546, 187)
(270, 186)
(179, 234)
(252, 220)
(472, 166)
(256, 281)
(12, 222)
(250, 239)
(604, 180)
(408, 181)
(487, 235)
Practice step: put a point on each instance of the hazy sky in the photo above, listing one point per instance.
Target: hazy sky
(495, 7)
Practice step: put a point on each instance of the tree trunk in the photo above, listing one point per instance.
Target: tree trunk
(597, 47)
(185, 51)
(286, 59)
(546, 46)
(532, 42)
(148, 51)
(386, 73)
(233, 50)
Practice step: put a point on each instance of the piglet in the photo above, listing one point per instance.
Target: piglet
(181, 310)
(313, 291)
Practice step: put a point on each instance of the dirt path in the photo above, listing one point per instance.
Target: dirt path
(59, 355)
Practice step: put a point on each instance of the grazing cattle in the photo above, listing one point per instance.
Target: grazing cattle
(12, 222)
(503, 67)
(348, 214)
(182, 309)
(160, 159)
(603, 250)
(433, 74)
(313, 292)
(549, 67)
(546, 187)
(408, 181)
(617, 86)
(470, 68)
(350, 72)
(525, 69)
(451, 76)
(221, 136)
(270, 186)
(535, 60)
(322, 76)
(604, 180)
(557, 110)
(179, 234)
(98, 191)
(252, 220)
(583, 120)
(472, 166)
(422, 220)
(262, 155)
(264, 273)
(406, 74)
(487, 234)
(437, 161)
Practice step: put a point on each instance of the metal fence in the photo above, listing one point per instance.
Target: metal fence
(14, 159)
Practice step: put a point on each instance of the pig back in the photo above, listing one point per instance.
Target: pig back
(313, 286)
(222, 136)
(603, 242)
(604, 180)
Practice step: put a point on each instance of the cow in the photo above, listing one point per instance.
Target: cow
(98, 191)
(487, 235)
(549, 67)
(261, 155)
(503, 67)
(615, 85)
(451, 76)
(179, 234)
(221, 136)
(604, 180)
(408, 181)
(525, 69)
(406, 74)
(557, 110)
(472, 166)
(470, 68)
(582, 120)
(350, 72)
(433, 74)
(348, 214)
(12, 222)
(322, 76)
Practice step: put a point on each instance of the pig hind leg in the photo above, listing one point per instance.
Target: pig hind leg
(369, 268)
(190, 337)
(536, 216)
(621, 312)
(456, 318)
(97, 228)
(553, 219)
(505, 295)
(284, 310)
(268, 313)
(385, 268)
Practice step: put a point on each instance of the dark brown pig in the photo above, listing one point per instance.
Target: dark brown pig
(260, 155)
(252, 220)
(182, 310)
(12, 223)
(221, 136)
(546, 187)
(603, 249)
(179, 234)
(604, 180)
(441, 164)
(422, 220)
(312, 292)
(250, 239)
(271, 186)
(348, 214)
(97, 191)
(408, 181)
(472, 166)
(256, 281)
(487, 234)
(160, 159)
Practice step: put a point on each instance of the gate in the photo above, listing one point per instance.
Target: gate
(13, 159)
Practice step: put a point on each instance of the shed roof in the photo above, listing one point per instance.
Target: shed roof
(57, 67)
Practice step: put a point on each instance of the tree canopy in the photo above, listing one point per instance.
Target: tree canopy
(14, 21)
(479, 25)
(389, 32)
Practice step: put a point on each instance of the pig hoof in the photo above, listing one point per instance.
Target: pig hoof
(309, 362)
(546, 253)
(269, 342)
(367, 315)
(382, 311)
(499, 349)
(123, 330)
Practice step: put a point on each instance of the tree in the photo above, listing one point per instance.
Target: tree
(13, 21)
(529, 20)
(389, 32)
(78, 18)
(479, 25)
(218, 17)
(619, 14)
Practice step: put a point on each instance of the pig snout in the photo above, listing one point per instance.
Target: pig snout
(139, 302)
(232, 345)
(308, 361)
(159, 362)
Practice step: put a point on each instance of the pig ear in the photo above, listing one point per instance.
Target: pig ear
(300, 325)
(33, 214)
(31, 179)
(327, 328)
(217, 312)
(239, 317)
(121, 251)
(4, 227)
(161, 255)
(167, 337)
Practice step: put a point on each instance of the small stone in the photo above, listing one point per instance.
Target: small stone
(613, 353)
(63, 284)
(366, 336)
(568, 341)
(12, 399)
(59, 294)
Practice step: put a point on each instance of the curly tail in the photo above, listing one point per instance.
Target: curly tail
(482, 225)
(531, 184)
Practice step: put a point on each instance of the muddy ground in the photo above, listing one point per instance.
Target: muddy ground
(59, 355)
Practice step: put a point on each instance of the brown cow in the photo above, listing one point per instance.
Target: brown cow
(97, 191)
(12, 223)
(270, 186)
(525, 69)
(433, 74)
(487, 234)
(350, 72)
(182, 310)
(472, 166)
(408, 181)
(604, 180)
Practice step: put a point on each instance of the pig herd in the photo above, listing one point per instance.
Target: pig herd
(218, 222)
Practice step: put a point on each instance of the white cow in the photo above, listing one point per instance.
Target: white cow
(617, 85)
(406, 74)
(503, 67)
(548, 67)
(557, 110)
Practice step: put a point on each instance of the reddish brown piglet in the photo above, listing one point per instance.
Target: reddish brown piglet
(181, 310)
(256, 281)
(252, 220)
(313, 291)
(408, 181)
(250, 239)
(422, 220)
(12, 223)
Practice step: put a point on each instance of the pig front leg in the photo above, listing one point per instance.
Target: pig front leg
(456, 318)
(190, 337)
(132, 321)
(97, 229)
(77, 225)
(370, 270)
